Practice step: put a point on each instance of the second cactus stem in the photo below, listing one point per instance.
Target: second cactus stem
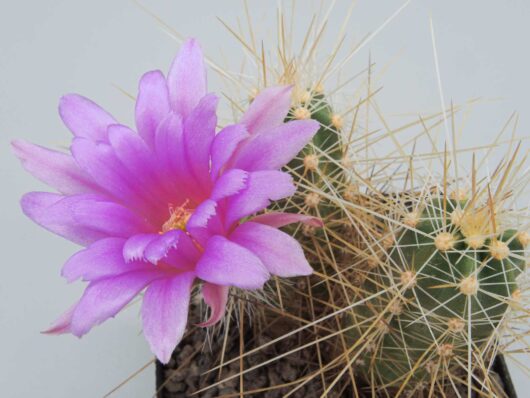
(449, 279)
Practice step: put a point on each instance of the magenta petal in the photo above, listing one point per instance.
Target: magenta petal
(165, 313)
(199, 132)
(186, 79)
(262, 187)
(100, 161)
(278, 219)
(150, 247)
(281, 254)
(111, 218)
(134, 247)
(169, 143)
(227, 263)
(216, 297)
(268, 109)
(273, 149)
(81, 218)
(204, 222)
(132, 151)
(224, 146)
(139, 164)
(51, 211)
(172, 158)
(230, 183)
(159, 247)
(101, 259)
(185, 255)
(84, 118)
(57, 169)
(62, 324)
(104, 298)
(152, 105)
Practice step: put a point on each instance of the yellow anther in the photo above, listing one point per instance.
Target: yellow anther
(178, 218)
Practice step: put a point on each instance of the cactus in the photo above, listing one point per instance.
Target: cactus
(452, 280)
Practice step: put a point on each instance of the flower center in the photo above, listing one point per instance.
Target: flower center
(178, 217)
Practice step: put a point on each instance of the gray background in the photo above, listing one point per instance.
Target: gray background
(48, 48)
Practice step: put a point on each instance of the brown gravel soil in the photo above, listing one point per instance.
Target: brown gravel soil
(186, 372)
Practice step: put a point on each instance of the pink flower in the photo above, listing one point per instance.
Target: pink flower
(162, 208)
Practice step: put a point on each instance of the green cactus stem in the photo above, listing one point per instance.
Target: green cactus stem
(319, 162)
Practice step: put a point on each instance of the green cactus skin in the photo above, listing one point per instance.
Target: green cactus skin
(326, 145)
(436, 310)
(327, 139)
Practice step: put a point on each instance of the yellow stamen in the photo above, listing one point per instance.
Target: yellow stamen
(178, 218)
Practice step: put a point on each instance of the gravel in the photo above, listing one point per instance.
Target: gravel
(184, 374)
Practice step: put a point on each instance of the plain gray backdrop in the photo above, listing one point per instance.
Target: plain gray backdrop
(48, 48)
